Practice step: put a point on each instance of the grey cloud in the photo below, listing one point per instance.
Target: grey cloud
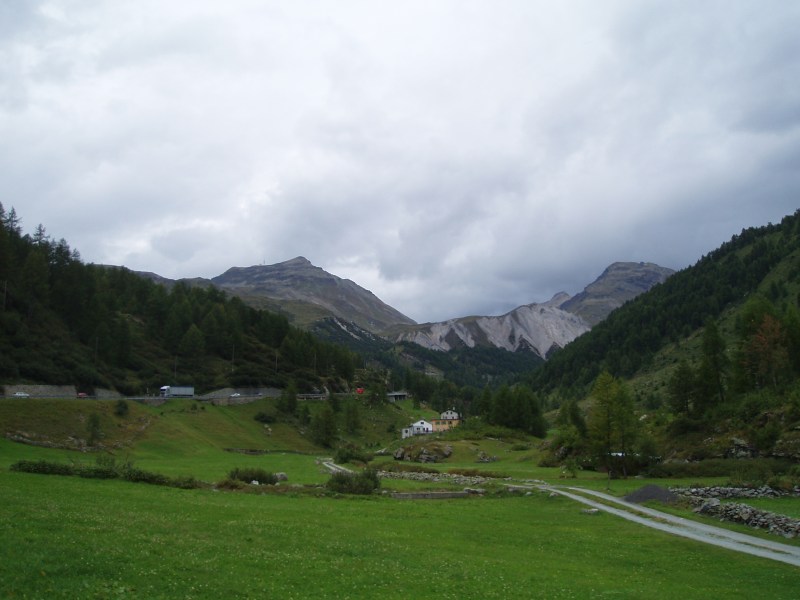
(455, 158)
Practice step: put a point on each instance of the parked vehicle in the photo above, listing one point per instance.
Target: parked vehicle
(177, 391)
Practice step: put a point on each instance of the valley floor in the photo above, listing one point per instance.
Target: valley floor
(693, 530)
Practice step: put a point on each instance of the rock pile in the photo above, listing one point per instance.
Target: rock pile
(733, 492)
(430, 453)
(652, 492)
(750, 516)
(435, 477)
(707, 502)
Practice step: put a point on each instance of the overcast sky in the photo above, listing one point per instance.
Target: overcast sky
(453, 157)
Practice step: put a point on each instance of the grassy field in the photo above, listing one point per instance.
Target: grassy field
(789, 506)
(67, 537)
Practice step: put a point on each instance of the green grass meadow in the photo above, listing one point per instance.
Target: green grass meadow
(69, 537)
(66, 537)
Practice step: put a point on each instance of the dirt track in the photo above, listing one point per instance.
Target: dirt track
(700, 532)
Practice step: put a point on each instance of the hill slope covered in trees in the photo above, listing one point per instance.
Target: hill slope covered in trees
(705, 365)
(66, 322)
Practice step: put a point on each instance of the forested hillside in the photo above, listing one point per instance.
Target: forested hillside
(70, 323)
(629, 338)
(706, 365)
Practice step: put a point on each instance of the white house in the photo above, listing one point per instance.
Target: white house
(421, 427)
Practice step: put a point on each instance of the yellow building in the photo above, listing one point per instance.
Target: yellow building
(448, 419)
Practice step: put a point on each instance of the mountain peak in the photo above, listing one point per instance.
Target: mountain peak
(297, 261)
(619, 282)
(543, 327)
(308, 292)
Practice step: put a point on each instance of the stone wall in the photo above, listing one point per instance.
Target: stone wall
(733, 492)
(435, 477)
(707, 502)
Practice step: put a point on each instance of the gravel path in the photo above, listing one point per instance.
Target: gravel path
(334, 468)
(700, 532)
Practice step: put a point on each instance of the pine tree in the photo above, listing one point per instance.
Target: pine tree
(287, 403)
(713, 369)
(681, 388)
(352, 418)
(323, 426)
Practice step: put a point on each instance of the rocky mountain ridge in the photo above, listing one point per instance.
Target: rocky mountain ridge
(308, 294)
(543, 328)
(620, 282)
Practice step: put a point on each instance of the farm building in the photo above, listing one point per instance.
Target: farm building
(421, 427)
(447, 420)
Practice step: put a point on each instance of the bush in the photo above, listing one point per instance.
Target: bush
(97, 472)
(121, 408)
(186, 483)
(263, 417)
(105, 468)
(249, 474)
(365, 482)
(42, 467)
(352, 453)
(230, 484)
(140, 476)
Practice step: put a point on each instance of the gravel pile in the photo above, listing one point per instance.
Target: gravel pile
(652, 492)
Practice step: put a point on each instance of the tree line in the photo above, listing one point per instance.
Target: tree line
(67, 322)
(629, 338)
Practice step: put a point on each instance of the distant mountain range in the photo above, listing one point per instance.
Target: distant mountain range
(543, 328)
(302, 292)
(308, 294)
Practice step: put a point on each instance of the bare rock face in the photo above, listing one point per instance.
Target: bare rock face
(540, 328)
(543, 328)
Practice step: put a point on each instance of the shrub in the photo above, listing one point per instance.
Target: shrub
(42, 467)
(186, 483)
(253, 474)
(140, 476)
(121, 408)
(365, 482)
(263, 417)
(97, 472)
(352, 453)
(93, 430)
(230, 484)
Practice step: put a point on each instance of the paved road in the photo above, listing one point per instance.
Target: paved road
(700, 532)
